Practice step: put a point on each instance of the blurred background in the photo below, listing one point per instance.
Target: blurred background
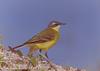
(79, 45)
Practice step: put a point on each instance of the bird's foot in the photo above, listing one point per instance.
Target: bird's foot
(48, 60)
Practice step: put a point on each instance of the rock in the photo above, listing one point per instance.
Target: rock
(10, 61)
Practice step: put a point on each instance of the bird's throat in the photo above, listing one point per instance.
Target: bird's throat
(56, 28)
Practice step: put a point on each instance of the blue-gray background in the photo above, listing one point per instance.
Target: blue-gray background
(79, 45)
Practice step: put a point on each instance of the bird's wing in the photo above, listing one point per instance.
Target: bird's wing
(44, 36)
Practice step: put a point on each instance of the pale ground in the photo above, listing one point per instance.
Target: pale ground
(10, 61)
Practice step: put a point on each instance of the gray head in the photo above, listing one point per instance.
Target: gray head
(53, 24)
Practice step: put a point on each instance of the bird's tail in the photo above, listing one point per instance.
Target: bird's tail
(16, 46)
(13, 49)
(19, 46)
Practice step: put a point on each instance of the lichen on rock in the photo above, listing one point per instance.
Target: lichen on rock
(10, 61)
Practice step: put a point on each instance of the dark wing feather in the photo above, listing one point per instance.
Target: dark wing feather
(42, 37)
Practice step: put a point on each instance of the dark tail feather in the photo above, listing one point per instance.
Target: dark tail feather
(13, 49)
(19, 46)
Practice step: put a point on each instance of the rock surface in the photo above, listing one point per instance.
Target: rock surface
(10, 61)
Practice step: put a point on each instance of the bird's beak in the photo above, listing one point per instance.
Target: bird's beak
(62, 24)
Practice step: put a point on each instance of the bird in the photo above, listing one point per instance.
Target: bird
(43, 40)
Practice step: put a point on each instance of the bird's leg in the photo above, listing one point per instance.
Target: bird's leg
(49, 61)
(30, 53)
(40, 55)
(40, 50)
(46, 54)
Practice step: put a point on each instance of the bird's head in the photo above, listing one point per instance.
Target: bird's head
(55, 25)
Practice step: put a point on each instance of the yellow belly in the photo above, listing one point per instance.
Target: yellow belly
(46, 45)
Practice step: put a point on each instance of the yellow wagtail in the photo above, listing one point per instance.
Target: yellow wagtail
(43, 40)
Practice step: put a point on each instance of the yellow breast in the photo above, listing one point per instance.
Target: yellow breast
(46, 45)
(49, 44)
